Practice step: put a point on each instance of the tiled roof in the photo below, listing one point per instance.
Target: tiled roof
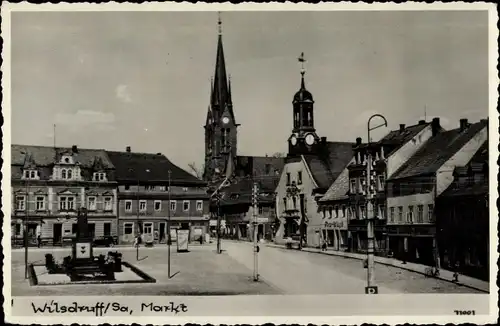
(399, 138)
(44, 157)
(146, 167)
(327, 167)
(437, 150)
(259, 165)
(240, 190)
(339, 189)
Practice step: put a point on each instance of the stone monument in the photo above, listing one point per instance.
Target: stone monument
(82, 252)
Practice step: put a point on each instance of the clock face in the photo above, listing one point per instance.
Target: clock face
(293, 140)
(309, 139)
(225, 120)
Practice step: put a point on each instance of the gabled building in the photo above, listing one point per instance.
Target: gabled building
(152, 193)
(222, 161)
(462, 219)
(49, 186)
(311, 167)
(412, 190)
(388, 155)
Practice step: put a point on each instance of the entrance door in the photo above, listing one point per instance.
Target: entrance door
(57, 233)
(162, 226)
(91, 230)
(107, 229)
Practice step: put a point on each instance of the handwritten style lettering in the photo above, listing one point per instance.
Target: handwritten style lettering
(99, 309)
(171, 307)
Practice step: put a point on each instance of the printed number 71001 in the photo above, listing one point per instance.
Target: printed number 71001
(465, 312)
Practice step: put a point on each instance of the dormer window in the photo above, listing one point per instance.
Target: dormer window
(99, 176)
(30, 174)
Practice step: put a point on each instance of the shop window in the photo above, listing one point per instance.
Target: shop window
(128, 228)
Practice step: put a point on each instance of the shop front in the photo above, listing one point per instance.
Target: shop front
(357, 237)
(335, 234)
(412, 243)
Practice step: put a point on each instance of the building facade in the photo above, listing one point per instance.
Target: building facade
(462, 219)
(154, 194)
(49, 185)
(412, 190)
(311, 167)
(388, 155)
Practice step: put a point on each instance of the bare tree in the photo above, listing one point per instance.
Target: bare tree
(195, 171)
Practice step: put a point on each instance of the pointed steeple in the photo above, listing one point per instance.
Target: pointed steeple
(220, 86)
(229, 97)
(209, 117)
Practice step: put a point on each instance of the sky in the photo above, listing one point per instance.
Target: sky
(142, 79)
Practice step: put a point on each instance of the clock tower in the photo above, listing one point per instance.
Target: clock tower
(304, 139)
(220, 126)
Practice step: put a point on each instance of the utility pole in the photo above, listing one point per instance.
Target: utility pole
(169, 240)
(217, 198)
(255, 233)
(26, 241)
(138, 221)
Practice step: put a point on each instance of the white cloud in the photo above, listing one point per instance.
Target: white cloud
(85, 119)
(123, 94)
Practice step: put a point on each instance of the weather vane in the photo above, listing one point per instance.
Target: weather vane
(302, 60)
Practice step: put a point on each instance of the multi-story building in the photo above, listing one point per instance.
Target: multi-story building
(462, 219)
(412, 190)
(222, 161)
(388, 154)
(311, 167)
(152, 192)
(50, 184)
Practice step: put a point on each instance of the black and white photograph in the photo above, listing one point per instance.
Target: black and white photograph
(225, 160)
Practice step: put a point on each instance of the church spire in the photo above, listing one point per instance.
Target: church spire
(220, 88)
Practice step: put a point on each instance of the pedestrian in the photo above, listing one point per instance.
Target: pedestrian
(39, 240)
(323, 245)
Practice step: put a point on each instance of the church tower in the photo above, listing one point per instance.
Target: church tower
(220, 125)
(303, 139)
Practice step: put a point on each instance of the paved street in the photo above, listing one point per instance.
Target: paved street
(203, 272)
(296, 272)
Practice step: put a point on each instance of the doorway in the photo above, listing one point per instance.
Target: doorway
(162, 226)
(57, 233)
(107, 229)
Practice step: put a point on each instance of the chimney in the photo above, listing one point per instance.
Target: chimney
(421, 122)
(74, 149)
(401, 127)
(436, 125)
(358, 141)
(463, 124)
(128, 149)
(159, 154)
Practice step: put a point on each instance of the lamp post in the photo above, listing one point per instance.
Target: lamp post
(137, 211)
(26, 231)
(217, 197)
(369, 206)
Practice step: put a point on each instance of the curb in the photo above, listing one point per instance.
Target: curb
(386, 264)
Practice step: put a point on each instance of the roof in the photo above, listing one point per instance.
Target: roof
(327, 167)
(338, 190)
(437, 150)
(148, 167)
(259, 165)
(240, 190)
(43, 159)
(398, 138)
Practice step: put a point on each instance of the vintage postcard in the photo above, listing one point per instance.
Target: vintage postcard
(217, 163)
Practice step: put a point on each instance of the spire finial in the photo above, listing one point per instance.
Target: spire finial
(302, 60)
(219, 23)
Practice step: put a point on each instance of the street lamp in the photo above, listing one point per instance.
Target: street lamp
(369, 206)
(137, 211)
(169, 240)
(216, 195)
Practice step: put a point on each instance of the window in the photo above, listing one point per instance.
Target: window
(20, 203)
(299, 178)
(173, 205)
(348, 212)
(353, 186)
(362, 183)
(17, 230)
(63, 174)
(284, 204)
(148, 228)
(30, 174)
(410, 214)
(199, 205)
(343, 211)
(288, 179)
(400, 214)
(430, 213)
(74, 228)
(185, 189)
(70, 174)
(261, 210)
(161, 188)
(128, 228)
(149, 188)
(91, 203)
(107, 229)
(381, 182)
(268, 168)
(128, 206)
(108, 203)
(336, 212)
(185, 205)
(362, 212)
(391, 216)
(66, 203)
(142, 205)
(323, 212)
(157, 205)
(40, 203)
(99, 176)
(420, 214)
(382, 211)
(294, 200)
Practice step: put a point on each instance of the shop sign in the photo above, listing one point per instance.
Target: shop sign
(335, 225)
(213, 222)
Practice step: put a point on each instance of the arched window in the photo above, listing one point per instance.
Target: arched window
(63, 174)
(70, 174)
